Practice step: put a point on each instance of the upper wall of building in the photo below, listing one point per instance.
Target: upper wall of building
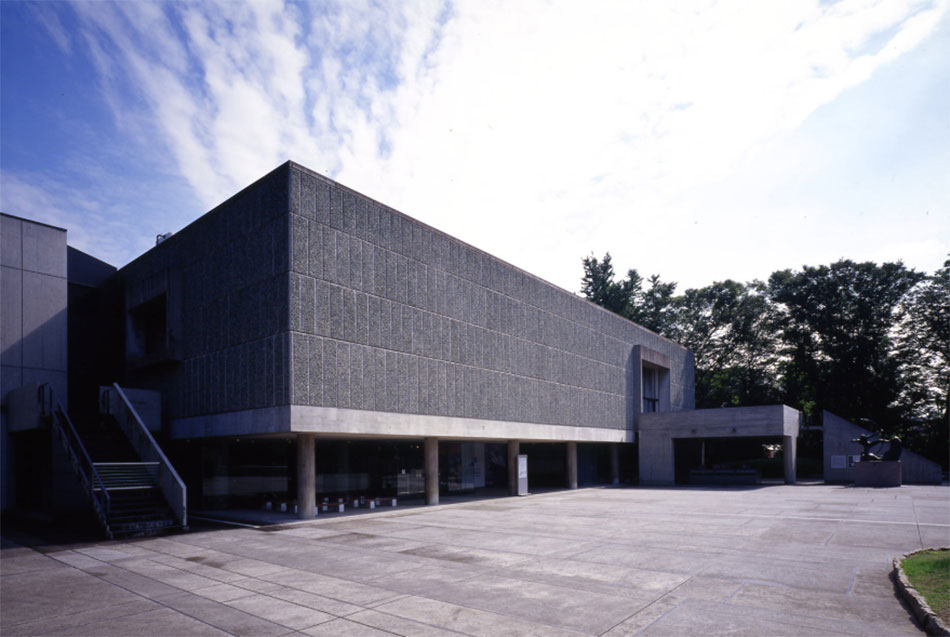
(206, 310)
(298, 291)
(389, 314)
(33, 304)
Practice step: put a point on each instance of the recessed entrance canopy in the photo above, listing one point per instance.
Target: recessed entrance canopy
(657, 431)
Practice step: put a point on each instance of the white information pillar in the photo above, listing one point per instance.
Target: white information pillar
(522, 475)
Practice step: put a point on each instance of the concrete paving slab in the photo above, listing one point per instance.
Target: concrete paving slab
(398, 625)
(645, 616)
(469, 556)
(345, 628)
(27, 563)
(50, 624)
(225, 617)
(574, 609)
(316, 602)
(702, 617)
(198, 568)
(38, 594)
(832, 578)
(637, 584)
(879, 611)
(934, 536)
(331, 587)
(164, 620)
(223, 592)
(468, 621)
(280, 612)
(809, 559)
(161, 573)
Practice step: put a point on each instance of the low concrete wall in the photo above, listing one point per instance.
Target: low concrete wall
(838, 434)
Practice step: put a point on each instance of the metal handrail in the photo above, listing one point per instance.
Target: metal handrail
(81, 461)
(172, 486)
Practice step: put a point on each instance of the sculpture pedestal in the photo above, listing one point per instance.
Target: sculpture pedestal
(877, 473)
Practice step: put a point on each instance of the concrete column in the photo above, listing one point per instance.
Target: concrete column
(432, 470)
(514, 448)
(789, 452)
(615, 463)
(572, 465)
(306, 476)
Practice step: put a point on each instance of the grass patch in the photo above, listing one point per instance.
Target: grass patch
(929, 573)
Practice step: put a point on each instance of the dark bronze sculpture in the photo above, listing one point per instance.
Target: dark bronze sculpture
(893, 451)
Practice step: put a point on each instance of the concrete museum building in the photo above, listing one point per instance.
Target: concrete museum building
(302, 341)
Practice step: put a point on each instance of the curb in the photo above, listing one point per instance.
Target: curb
(922, 612)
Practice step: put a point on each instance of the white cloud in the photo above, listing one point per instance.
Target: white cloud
(535, 130)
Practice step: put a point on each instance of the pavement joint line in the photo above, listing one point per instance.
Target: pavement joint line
(228, 522)
(437, 627)
(817, 519)
(854, 577)
(677, 605)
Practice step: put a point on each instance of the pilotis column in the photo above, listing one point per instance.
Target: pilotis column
(789, 451)
(306, 476)
(572, 465)
(615, 463)
(432, 470)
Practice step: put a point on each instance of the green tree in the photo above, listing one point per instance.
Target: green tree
(728, 325)
(923, 350)
(653, 307)
(835, 323)
(598, 285)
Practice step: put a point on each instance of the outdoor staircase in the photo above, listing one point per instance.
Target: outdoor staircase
(127, 492)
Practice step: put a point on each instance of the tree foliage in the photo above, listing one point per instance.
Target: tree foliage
(868, 342)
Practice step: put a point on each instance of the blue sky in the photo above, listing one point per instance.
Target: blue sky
(700, 141)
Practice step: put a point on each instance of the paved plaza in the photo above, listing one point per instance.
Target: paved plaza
(776, 560)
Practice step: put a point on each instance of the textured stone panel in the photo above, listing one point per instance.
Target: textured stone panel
(44, 321)
(11, 314)
(11, 242)
(343, 374)
(43, 249)
(331, 393)
(301, 361)
(301, 244)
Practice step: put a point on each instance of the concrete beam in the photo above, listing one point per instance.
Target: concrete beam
(306, 476)
(432, 470)
(363, 422)
(514, 448)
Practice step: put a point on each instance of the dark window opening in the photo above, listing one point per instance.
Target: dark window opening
(149, 327)
(651, 390)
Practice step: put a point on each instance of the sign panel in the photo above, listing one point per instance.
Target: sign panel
(839, 462)
(522, 474)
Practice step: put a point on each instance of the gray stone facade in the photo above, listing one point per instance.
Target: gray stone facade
(389, 314)
(300, 292)
(223, 283)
